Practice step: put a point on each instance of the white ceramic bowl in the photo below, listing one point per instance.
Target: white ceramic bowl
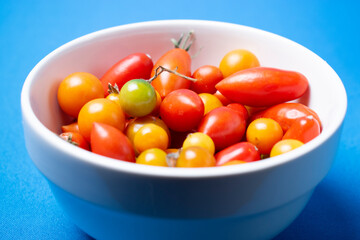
(111, 199)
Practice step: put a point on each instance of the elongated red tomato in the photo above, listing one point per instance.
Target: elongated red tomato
(134, 66)
(224, 125)
(287, 113)
(303, 129)
(176, 59)
(261, 86)
(109, 141)
(243, 151)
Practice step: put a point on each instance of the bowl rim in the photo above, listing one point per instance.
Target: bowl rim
(145, 170)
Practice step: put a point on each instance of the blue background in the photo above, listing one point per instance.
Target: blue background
(29, 30)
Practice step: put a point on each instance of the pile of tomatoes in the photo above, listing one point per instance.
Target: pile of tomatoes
(163, 114)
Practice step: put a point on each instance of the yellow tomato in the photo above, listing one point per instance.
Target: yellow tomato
(201, 140)
(284, 146)
(153, 156)
(193, 157)
(237, 60)
(151, 136)
(210, 102)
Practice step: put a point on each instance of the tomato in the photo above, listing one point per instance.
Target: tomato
(303, 129)
(210, 102)
(225, 126)
(156, 110)
(201, 140)
(137, 98)
(72, 127)
(243, 151)
(264, 133)
(263, 87)
(222, 98)
(109, 141)
(135, 124)
(100, 110)
(233, 162)
(134, 66)
(286, 113)
(285, 146)
(176, 59)
(182, 110)
(239, 108)
(152, 156)
(76, 139)
(193, 157)
(206, 78)
(76, 90)
(151, 136)
(236, 60)
(115, 97)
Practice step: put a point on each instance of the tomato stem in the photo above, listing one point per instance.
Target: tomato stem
(186, 44)
(171, 158)
(113, 89)
(161, 69)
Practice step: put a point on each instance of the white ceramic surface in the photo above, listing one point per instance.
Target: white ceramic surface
(107, 198)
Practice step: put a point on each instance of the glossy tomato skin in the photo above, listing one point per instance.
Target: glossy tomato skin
(237, 60)
(224, 125)
(109, 141)
(207, 77)
(286, 114)
(241, 109)
(303, 129)
(134, 66)
(243, 151)
(176, 59)
(76, 139)
(182, 110)
(263, 87)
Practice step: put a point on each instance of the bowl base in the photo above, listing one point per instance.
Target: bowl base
(102, 223)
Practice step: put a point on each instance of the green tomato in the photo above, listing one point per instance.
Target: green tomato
(137, 98)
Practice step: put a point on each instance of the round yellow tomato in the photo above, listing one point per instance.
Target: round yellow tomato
(193, 157)
(210, 102)
(151, 136)
(76, 90)
(237, 60)
(152, 156)
(201, 140)
(284, 146)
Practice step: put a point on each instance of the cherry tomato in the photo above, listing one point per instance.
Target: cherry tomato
(222, 98)
(233, 162)
(285, 146)
(303, 129)
(182, 110)
(176, 59)
(237, 60)
(109, 141)
(263, 87)
(206, 78)
(72, 127)
(264, 133)
(134, 66)
(243, 151)
(76, 90)
(224, 125)
(152, 156)
(239, 108)
(286, 113)
(201, 140)
(115, 97)
(137, 98)
(151, 136)
(100, 110)
(135, 124)
(193, 157)
(76, 139)
(210, 102)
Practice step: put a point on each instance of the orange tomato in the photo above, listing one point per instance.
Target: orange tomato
(237, 60)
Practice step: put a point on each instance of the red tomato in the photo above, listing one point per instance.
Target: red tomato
(243, 151)
(224, 125)
(176, 59)
(182, 110)
(76, 139)
(206, 78)
(261, 87)
(109, 141)
(240, 109)
(303, 129)
(222, 98)
(286, 113)
(134, 66)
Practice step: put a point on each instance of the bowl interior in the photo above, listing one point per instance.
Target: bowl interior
(98, 51)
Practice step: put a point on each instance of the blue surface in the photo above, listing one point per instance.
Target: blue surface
(29, 30)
